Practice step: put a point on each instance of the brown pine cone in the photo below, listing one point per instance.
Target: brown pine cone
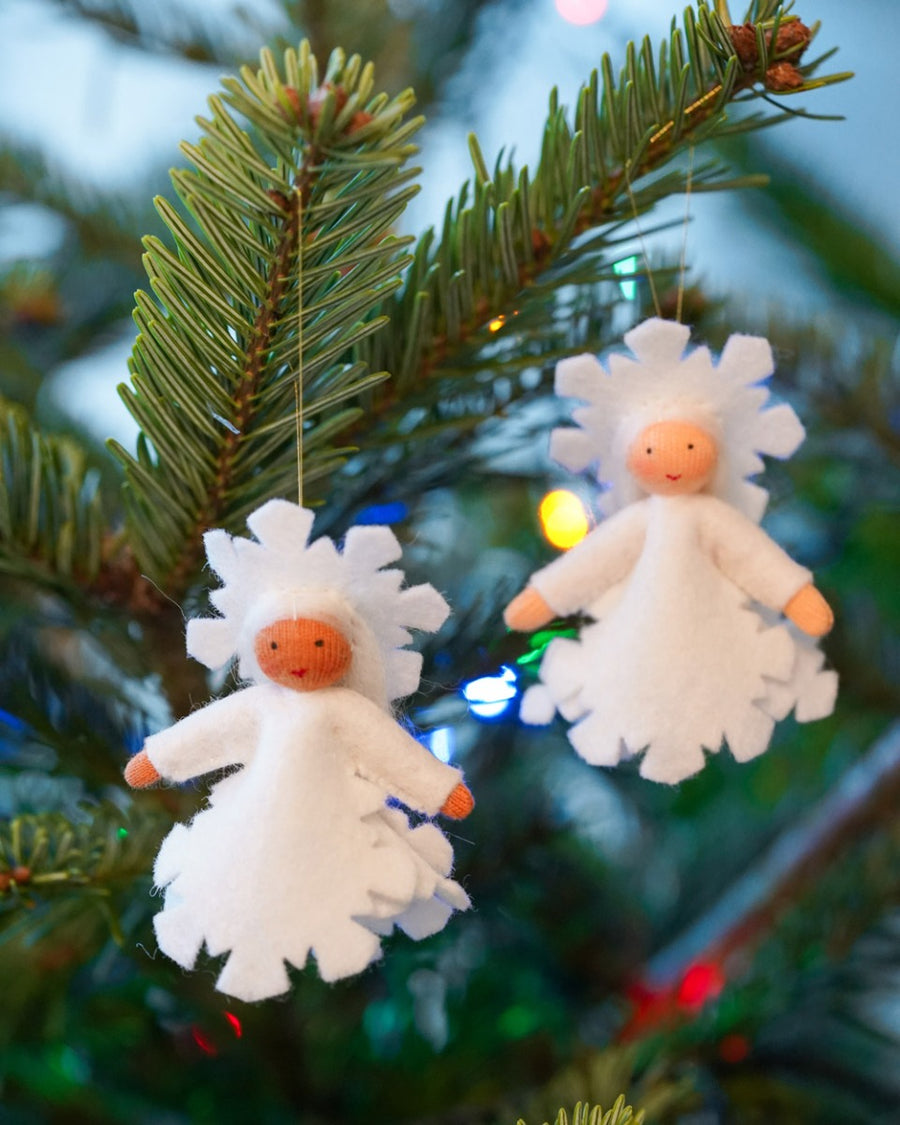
(743, 37)
(783, 76)
(294, 98)
(793, 34)
(318, 97)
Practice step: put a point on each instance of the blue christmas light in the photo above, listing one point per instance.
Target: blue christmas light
(440, 742)
(490, 696)
(393, 512)
(12, 721)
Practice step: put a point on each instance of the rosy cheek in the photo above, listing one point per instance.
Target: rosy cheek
(270, 661)
(643, 467)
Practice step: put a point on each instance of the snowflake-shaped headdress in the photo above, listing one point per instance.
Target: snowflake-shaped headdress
(283, 575)
(726, 399)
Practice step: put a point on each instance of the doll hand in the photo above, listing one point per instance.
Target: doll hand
(527, 611)
(459, 804)
(141, 772)
(810, 612)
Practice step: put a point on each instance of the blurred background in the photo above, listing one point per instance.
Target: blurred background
(583, 880)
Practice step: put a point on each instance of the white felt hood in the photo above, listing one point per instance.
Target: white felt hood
(283, 575)
(728, 400)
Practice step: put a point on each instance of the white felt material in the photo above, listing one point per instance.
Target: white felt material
(663, 381)
(746, 359)
(263, 579)
(294, 847)
(746, 555)
(297, 851)
(604, 557)
(212, 738)
(369, 546)
(537, 708)
(687, 650)
(811, 690)
(679, 660)
(657, 342)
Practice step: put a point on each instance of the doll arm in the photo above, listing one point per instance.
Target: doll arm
(810, 612)
(755, 563)
(218, 735)
(577, 578)
(386, 755)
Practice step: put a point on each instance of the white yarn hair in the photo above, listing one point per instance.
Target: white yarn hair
(662, 382)
(283, 575)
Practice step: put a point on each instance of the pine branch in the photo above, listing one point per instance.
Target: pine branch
(866, 796)
(214, 366)
(63, 695)
(51, 522)
(525, 235)
(593, 1079)
(105, 223)
(174, 32)
(584, 1114)
(45, 854)
(851, 254)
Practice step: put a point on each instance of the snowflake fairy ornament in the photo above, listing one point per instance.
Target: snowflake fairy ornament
(298, 850)
(687, 648)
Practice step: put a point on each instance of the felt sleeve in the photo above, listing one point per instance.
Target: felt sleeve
(221, 734)
(749, 558)
(386, 755)
(604, 557)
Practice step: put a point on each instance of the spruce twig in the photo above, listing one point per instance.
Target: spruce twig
(51, 522)
(524, 233)
(215, 362)
(42, 854)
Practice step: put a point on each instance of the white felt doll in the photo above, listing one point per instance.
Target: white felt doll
(297, 850)
(687, 647)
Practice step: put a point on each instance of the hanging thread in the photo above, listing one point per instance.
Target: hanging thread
(687, 215)
(637, 224)
(298, 383)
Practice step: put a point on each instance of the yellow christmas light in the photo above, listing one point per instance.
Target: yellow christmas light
(563, 518)
(497, 323)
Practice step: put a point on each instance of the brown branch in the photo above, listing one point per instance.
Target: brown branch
(603, 201)
(793, 39)
(268, 315)
(867, 795)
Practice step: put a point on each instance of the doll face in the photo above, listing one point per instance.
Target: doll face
(302, 653)
(672, 458)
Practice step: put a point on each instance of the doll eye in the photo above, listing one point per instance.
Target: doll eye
(273, 645)
(319, 643)
(690, 445)
(649, 449)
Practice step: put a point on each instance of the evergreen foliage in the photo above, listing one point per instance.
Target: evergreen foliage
(620, 1114)
(51, 521)
(308, 198)
(213, 369)
(46, 853)
(419, 362)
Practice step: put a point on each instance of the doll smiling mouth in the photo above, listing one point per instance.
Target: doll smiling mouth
(298, 672)
(673, 476)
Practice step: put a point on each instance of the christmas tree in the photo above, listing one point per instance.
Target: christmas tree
(718, 951)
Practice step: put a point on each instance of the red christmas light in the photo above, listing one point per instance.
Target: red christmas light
(734, 1048)
(700, 984)
(203, 1041)
(235, 1024)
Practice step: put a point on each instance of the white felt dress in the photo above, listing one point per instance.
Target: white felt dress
(681, 654)
(297, 850)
